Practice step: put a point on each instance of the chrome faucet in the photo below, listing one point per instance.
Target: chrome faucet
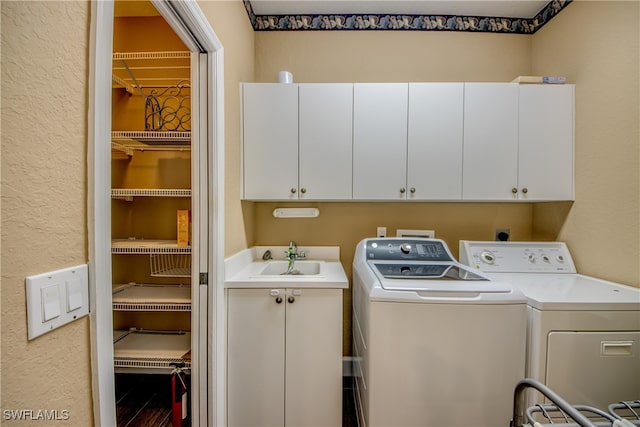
(292, 254)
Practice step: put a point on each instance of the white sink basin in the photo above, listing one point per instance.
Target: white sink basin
(300, 268)
(321, 270)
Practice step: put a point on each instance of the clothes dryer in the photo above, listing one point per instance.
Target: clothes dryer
(583, 333)
(436, 344)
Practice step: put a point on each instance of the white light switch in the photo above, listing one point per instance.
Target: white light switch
(74, 295)
(50, 299)
(56, 298)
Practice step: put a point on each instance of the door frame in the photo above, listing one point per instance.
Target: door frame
(188, 21)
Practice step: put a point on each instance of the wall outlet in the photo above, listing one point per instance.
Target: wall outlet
(381, 232)
(502, 234)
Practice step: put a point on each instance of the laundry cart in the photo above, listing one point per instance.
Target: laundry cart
(560, 412)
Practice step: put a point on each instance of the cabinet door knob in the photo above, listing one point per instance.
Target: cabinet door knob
(303, 190)
(291, 300)
(278, 300)
(293, 190)
(412, 190)
(525, 190)
(514, 190)
(403, 190)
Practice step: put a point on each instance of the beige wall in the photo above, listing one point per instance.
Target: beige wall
(45, 49)
(231, 24)
(596, 45)
(386, 56)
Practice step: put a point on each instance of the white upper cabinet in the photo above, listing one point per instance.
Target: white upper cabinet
(546, 142)
(408, 141)
(380, 141)
(297, 141)
(270, 137)
(518, 142)
(325, 144)
(490, 158)
(434, 148)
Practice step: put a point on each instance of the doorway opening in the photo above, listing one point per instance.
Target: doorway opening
(155, 161)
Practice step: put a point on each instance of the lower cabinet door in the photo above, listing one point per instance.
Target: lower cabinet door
(284, 357)
(255, 357)
(313, 384)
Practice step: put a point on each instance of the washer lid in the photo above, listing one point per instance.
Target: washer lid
(434, 277)
(427, 271)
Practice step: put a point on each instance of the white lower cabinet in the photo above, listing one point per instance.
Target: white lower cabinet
(284, 357)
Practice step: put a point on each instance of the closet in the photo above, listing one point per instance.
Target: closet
(151, 207)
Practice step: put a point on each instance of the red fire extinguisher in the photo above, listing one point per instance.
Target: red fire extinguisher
(179, 396)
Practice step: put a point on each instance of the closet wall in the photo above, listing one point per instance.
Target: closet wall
(151, 182)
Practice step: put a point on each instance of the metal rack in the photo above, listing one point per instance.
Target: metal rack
(137, 71)
(167, 259)
(155, 352)
(128, 142)
(622, 414)
(128, 194)
(151, 297)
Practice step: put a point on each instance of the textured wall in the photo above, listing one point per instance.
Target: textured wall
(44, 113)
(596, 45)
(230, 22)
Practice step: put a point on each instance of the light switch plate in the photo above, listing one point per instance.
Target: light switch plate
(56, 298)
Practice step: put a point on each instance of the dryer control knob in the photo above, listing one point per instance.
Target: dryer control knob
(488, 257)
(405, 248)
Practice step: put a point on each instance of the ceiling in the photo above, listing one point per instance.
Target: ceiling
(495, 8)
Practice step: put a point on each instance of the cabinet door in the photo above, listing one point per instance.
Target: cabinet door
(546, 147)
(270, 141)
(255, 358)
(325, 121)
(380, 140)
(490, 159)
(314, 357)
(434, 155)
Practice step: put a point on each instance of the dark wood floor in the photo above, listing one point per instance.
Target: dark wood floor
(145, 401)
(348, 404)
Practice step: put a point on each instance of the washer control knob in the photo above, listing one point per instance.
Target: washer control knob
(488, 257)
(560, 259)
(546, 259)
(405, 248)
(531, 258)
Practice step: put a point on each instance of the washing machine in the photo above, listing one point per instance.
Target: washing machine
(583, 334)
(435, 343)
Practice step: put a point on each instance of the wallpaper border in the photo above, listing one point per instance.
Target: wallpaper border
(385, 22)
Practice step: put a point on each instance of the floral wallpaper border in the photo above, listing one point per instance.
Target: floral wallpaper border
(354, 22)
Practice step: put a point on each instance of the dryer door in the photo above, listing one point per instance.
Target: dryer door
(594, 368)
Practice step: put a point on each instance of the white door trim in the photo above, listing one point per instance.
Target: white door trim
(187, 19)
